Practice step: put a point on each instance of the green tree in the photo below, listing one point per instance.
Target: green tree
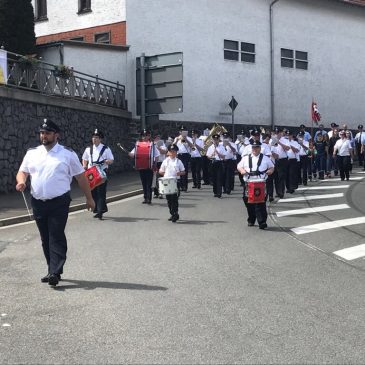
(17, 26)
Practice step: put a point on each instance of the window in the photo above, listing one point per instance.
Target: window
(79, 39)
(300, 61)
(239, 51)
(41, 10)
(84, 6)
(247, 52)
(102, 38)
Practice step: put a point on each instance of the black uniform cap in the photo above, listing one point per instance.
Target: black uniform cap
(360, 126)
(255, 132)
(49, 126)
(145, 132)
(226, 135)
(182, 128)
(194, 131)
(98, 133)
(256, 144)
(172, 147)
(215, 136)
(334, 125)
(302, 126)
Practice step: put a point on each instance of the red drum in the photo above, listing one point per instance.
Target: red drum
(256, 191)
(143, 155)
(95, 176)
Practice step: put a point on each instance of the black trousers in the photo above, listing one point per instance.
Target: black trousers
(360, 155)
(344, 163)
(229, 167)
(292, 174)
(217, 177)
(173, 203)
(185, 159)
(255, 210)
(196, 167)
(281, 166)
(146, 179)
(303, 170)
(99, 196)
(205, 167)
(51, 218)
(270, 185)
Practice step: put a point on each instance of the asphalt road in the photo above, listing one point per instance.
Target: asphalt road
(206, 290)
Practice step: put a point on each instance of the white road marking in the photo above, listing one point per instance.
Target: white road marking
(3, 314)
(328, 225)
(326, 208)
(359, 172)
(6, 325)
(310, 197)
(351, 253)
(324, 187)
(338, 179)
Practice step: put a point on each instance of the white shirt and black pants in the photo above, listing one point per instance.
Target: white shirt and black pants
(51, 175)
(170, 167)
(255, 166)
(196, 164)
(343, 149)
(217, 168)
(95, 155)
(184, 155)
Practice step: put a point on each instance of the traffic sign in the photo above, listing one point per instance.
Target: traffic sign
(233, 103)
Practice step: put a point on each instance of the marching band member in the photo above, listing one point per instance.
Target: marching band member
(292, 169)
(255, 164)
(172, 167)
(51, 168)
(196, 159)
(205, 159)
(229, 163)
(239, 144)
(343, 151)
(160, 145)
(281, 164)
(146, 175)
(184, 143)
(98, 154)
(303, 159)
(265, 146)
(217, 153)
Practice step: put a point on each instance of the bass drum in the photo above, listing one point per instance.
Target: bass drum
(143, 157)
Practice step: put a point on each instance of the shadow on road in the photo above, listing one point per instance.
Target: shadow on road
(199, 222)
(91, 285)
(128, 219)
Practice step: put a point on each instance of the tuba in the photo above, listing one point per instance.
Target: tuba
(217, 129)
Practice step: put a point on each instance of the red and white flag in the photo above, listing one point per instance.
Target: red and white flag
(316, 117)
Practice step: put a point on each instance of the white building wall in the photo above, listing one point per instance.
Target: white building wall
(332, 33)
(63, 17)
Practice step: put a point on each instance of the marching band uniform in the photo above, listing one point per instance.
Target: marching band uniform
(359, 141)
(303, 159)
(255, 164)
(172, 167)
(265, 146)
(281, 164)
(160, 145)
(217, 153)
(146, 175)
(205, 160)
(229, 163)
(239, 144)
(184, 143)
(98, 154)
(292, 169)
(196, 159)
(51, 168)
(343, 151)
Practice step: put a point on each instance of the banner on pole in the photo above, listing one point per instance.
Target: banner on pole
(316, 117)
(3, 67)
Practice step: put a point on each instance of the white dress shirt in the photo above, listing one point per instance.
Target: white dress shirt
(266, 164)
(171, 166)
(107, 155)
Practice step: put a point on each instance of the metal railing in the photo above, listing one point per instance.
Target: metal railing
(48, 79)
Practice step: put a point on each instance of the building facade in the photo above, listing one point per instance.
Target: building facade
(274, 57)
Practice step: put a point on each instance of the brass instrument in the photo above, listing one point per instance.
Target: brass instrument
(216, 129)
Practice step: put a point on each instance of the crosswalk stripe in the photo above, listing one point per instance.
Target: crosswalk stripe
(310, 197)
(328, 225)
(326, 208)
(324, 187)
(338, 179)
(351, 253)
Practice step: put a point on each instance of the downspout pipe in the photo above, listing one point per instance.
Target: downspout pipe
(272, 95)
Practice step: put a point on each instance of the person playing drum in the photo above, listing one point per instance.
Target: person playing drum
(255, 167)
(172, 167)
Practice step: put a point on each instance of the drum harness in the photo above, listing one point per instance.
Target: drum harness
(97, 162)
(257, 172)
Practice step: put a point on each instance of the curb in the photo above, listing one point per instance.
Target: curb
(73, 208)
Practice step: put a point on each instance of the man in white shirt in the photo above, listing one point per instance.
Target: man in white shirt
(98, 154)
(281, 164)
(205, 159)
(196, 159)
(343, 151)
(292, 170)
(161, 147)
(51, 168)
(217, 154)
(172, 167)
(303, 159)
(229, 164)
(255, 165)
(359, 141)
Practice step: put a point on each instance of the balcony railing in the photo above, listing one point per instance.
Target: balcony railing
(48, 79)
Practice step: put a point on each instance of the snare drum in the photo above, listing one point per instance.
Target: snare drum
(95, 176)
(256, 191)
(167, 185)
(144, 156)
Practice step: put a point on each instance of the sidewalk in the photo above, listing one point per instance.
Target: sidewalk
(120, 186)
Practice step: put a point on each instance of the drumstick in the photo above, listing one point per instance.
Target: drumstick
(26, 204)
(122, 148)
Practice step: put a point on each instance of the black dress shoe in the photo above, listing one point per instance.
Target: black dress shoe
(250, 224)
(45, 279)
(271, 199)
(53, 280)
(199, 187)
(171, 218)
(149, 202)
(144, 202)
(263, 226)
(175, 218)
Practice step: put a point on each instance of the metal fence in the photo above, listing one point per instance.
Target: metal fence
(47, 79)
